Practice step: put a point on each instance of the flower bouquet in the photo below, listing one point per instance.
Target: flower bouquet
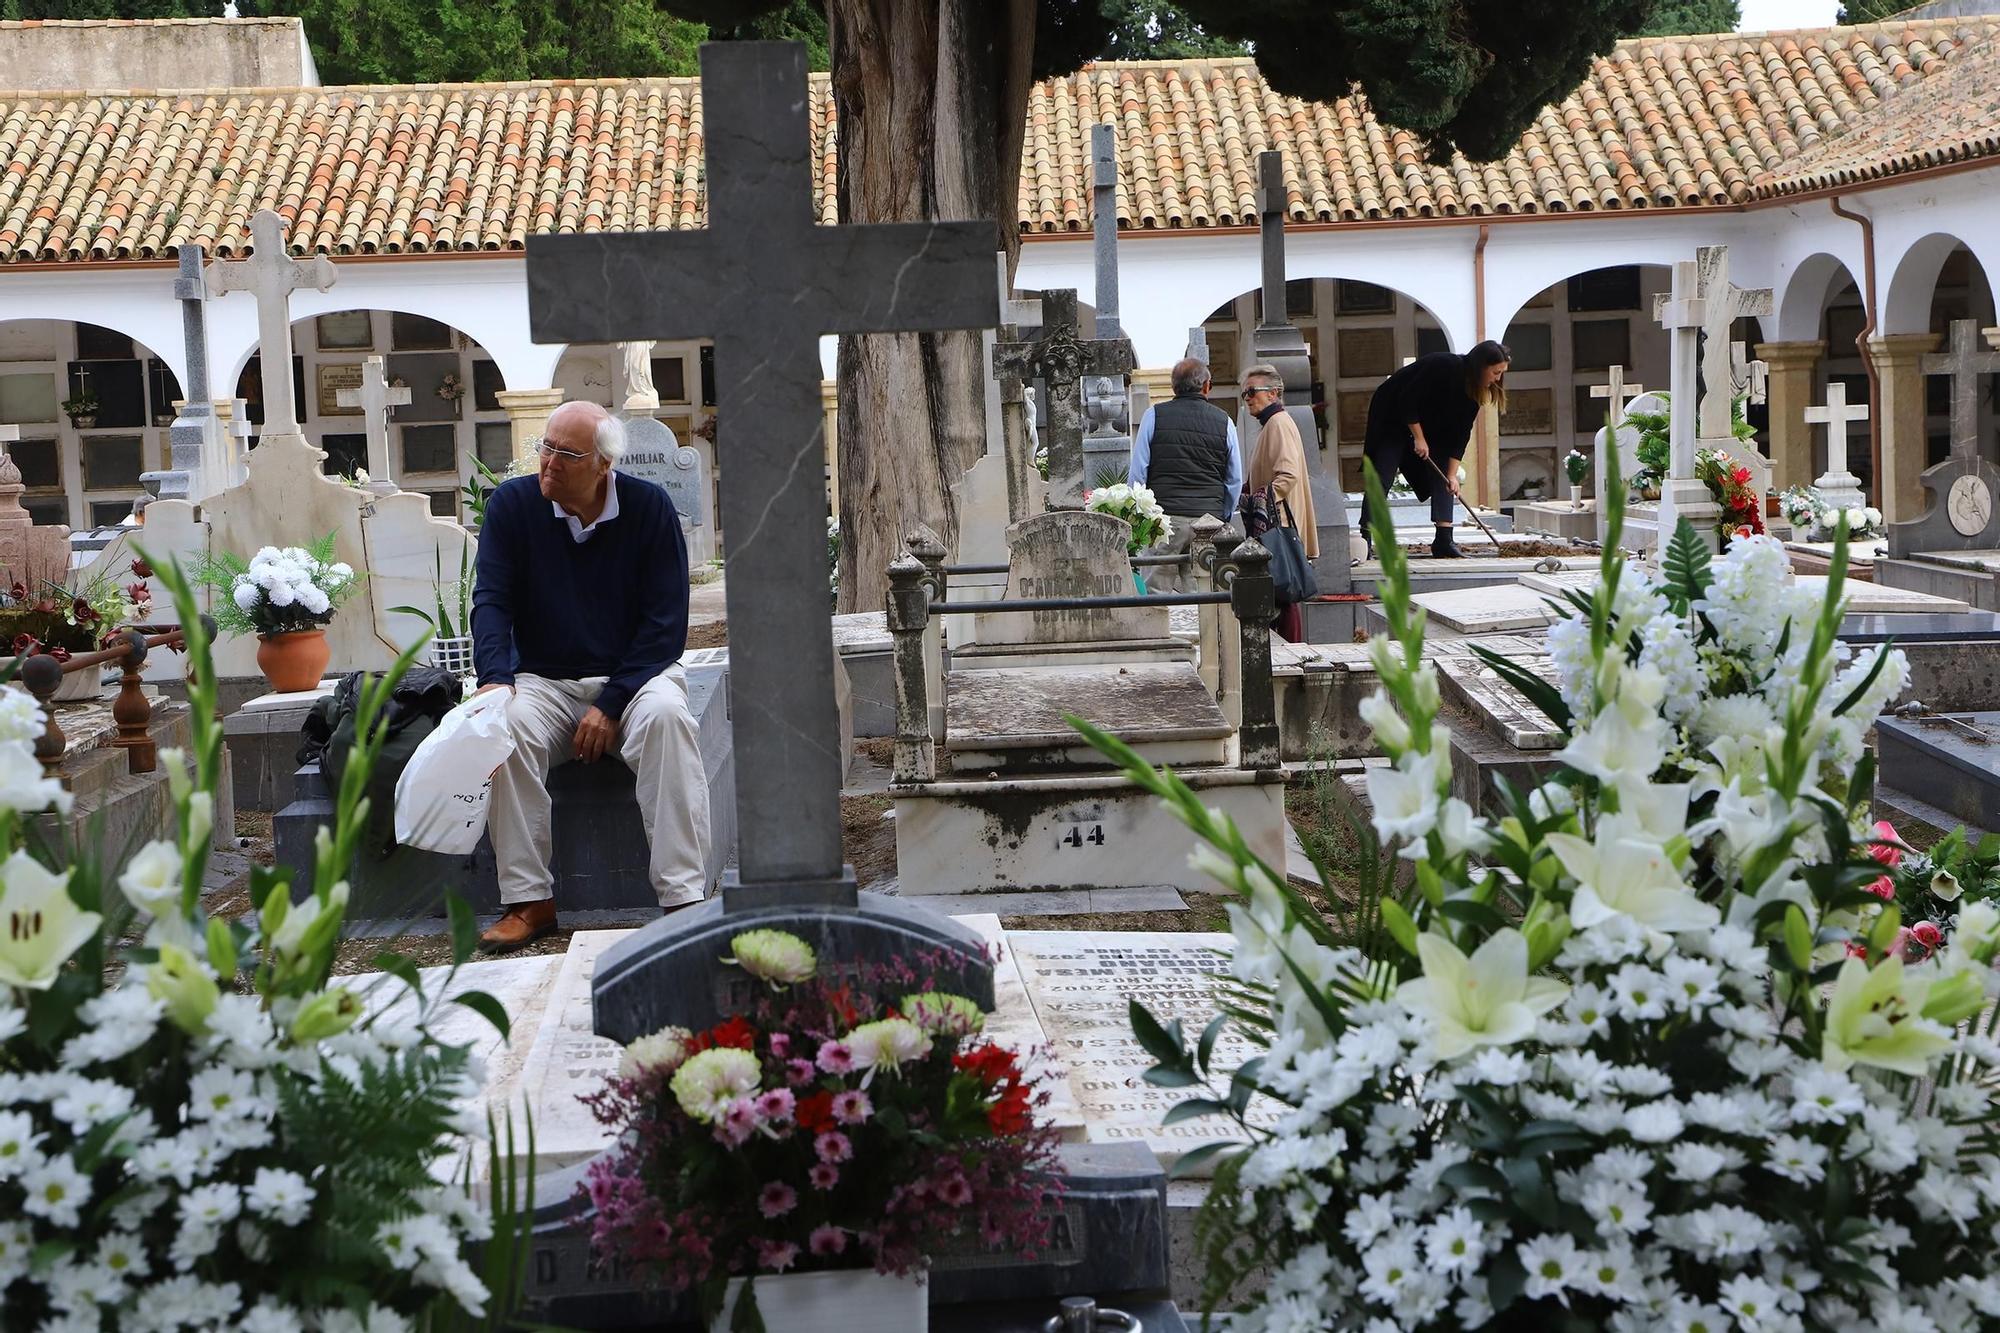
(1135, 504)
(868, 1136)
(198, 1128)
(1728, 485)
(1635, 1054)
(62, 621)
(1576, 466)
(1807, 510)
(1931, 888)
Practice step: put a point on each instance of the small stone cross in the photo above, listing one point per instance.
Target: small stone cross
(1104, 225)
(1964, 363)
(765, 283)
(375, 397)
(1618, 392)
(1841, 487)
(272, 276)
(1062, 359)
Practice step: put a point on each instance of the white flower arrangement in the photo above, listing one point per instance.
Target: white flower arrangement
(1135, 504)
(204, 1131)
(1639, 1055)
(1806, 509)
(280, 589)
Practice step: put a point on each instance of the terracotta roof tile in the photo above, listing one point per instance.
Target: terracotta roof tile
(1660, 122)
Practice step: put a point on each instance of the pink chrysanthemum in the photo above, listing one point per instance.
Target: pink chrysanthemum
(833, 1147)
(777, 1199)
(776, 1256)
(826, 1241)
(777, 1104)
(824, 1175)
(852, 1107)
(836, 1057)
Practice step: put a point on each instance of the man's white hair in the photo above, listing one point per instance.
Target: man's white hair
(608, 430)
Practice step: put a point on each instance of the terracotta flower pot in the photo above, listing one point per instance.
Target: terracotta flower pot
(295, 661)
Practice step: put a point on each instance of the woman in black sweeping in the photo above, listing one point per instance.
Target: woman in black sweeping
(1423, 415)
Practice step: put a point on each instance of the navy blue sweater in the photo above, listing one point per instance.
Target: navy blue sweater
(614, 606)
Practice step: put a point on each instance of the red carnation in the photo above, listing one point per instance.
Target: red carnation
(141, 570)
(989, 1063)
(1009, 1115)
(736, 1033)
(814, 1112)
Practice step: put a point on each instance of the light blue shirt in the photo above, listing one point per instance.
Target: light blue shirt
(1142, 458)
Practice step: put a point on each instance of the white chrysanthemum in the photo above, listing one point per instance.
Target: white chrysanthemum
(776, 956)
(712, 1079)
(887, 1043)
(663, 1051)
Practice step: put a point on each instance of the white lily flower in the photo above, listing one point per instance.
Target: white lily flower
(1627, 874)
(40, 924)
(1485, 1000)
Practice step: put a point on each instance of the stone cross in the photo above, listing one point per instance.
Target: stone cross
(1061, 360)
(1107, 398)
(765, 283)
(1197, 345)
(375, 397)
(1723, 304)
(1273, 202)
(272, 276)
(1964, 363)
(1617, 393)
(1010, 426)
(1684, 313)
(192, 446)
(1838, 486)
(239, 431)
(1104, 225)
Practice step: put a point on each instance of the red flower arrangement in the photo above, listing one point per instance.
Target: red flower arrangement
(1729, 485)
(822, 1130)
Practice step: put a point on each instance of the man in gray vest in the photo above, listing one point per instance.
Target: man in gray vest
(1186, 453)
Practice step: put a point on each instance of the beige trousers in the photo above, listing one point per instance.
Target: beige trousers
(658, 741)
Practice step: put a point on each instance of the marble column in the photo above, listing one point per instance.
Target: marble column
(1793, 366)
(528, 415)
(1482, 461)
(1899, 372)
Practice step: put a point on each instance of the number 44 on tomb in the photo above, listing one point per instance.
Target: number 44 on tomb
(1082, 835)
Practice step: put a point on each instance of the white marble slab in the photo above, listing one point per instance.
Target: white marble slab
(1564, 580)
(1500, 609)
(1015, 1025)
(1865, 599)
(567, 1060)
(1985, 562)
(1081, 983)
(1506, 714)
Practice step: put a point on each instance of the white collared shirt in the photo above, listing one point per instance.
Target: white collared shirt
(579, 533)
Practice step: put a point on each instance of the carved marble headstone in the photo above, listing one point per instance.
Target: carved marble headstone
(1061, 360)
(653, 454)
(1064, 554)
(1965, 486)
(271, 275)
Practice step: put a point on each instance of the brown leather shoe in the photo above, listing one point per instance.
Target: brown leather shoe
(523, 923)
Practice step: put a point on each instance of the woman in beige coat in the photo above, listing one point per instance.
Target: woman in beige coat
(1280, 463)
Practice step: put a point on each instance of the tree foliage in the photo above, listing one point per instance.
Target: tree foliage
(1682, 18)
(1145, 30)
(1871, 11)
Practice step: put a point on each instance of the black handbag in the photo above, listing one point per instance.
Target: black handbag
(1290, 569)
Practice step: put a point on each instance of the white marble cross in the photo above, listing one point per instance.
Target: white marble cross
(1724, 304)
(1964, 363)
(1838, 486)
(1683, 312)
(1751, 379)
(375, 397)
(271, 275)
(1617, 391)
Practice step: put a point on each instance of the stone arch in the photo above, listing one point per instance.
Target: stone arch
(1801, 305)
(1914, 278)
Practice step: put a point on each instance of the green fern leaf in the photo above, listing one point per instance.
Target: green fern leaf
(1686, 566)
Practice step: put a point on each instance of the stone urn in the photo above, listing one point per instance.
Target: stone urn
(295, 661)
(1576, 495)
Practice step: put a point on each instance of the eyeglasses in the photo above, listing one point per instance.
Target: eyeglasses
(547, 450)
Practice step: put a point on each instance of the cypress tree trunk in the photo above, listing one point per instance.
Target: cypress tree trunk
(926, 90)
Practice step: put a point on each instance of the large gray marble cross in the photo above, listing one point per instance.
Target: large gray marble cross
(1061, 360)
(271, 275)
(765, 283)
(1964, 362)
(375, 397)
(191, 439)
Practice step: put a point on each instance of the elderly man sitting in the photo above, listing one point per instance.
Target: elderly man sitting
(580, 612)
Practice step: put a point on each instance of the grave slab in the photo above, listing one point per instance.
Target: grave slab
(1081, 983)
(1973, 583)
(1012, 720)
(1949, 760)
(1498, 610)
(1882, 599)
(1087, 831)
(1922, 627)
(1558, 518)
(1479, 689)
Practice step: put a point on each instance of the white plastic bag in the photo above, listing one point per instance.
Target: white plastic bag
(441, 796)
